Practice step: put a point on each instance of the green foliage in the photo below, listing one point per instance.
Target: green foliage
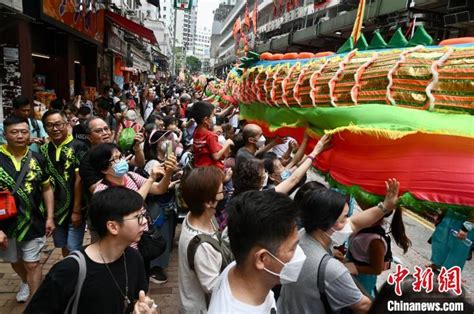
(193, 64)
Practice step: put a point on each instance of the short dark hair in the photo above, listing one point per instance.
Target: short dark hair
(84, 111)
(103, 104)
(20, 101)
(100, 156)
(200, 186)
(320, 208)
(308, 186)
(11, 120)
(258, 218)
(113, 204)
(246, 176)
(50, 112)
(200, 111)
(57, 104)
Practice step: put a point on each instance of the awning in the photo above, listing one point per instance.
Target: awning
(130, 26)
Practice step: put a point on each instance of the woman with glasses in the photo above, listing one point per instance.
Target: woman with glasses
(107, 159)
(202, 190)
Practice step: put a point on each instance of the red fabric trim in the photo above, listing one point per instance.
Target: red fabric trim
(131, 26)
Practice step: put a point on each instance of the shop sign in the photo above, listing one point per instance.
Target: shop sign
(115, 40)
(11, 83)
(183, 4)
(82, 17)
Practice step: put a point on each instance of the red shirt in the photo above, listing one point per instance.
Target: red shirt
(205, 144)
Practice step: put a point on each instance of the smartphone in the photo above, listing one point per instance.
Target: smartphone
(169, 148)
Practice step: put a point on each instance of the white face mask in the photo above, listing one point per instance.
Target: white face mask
(221, 139)
(291, 270)
(214, 120)
(340, 236)
(261, 141)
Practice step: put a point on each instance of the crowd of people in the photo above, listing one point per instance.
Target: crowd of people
(256, 235)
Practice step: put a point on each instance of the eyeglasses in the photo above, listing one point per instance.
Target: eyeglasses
(51, 126)
(115, 160)
(141, 217)
(101, 130)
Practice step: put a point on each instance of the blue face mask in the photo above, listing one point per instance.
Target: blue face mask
(285, 174)
(120, 168)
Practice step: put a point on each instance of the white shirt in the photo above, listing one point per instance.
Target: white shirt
(194, 285)
(223, 301)
(148, 110)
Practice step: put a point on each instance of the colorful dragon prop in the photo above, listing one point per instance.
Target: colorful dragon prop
(402, 113)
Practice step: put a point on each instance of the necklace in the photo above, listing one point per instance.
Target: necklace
(126, 300)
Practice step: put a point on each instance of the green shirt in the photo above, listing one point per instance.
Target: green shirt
(31, 218)
(63, 164)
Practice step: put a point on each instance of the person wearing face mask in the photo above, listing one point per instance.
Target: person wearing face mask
(323, 229)
(108, 160)
(201, 190)
(264, 241)
(254, 143)
(206, 148)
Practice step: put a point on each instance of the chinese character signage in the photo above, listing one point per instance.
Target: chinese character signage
(78, 16)
(183, 4)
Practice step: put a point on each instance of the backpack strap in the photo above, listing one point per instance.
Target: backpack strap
(24, 170)
(73, 303)
(321, 286)
(196, 242)
(35, 126)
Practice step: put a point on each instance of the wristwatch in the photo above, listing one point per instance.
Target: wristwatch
(382, 208)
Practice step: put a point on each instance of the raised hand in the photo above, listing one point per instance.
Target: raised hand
(391, 195)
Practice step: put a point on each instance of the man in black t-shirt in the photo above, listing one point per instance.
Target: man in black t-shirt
(115, 276)
(79, 130)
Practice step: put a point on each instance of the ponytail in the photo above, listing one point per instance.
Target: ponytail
(397, 228)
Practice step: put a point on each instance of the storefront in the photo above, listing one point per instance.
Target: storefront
(126, 46)
(65, 49)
